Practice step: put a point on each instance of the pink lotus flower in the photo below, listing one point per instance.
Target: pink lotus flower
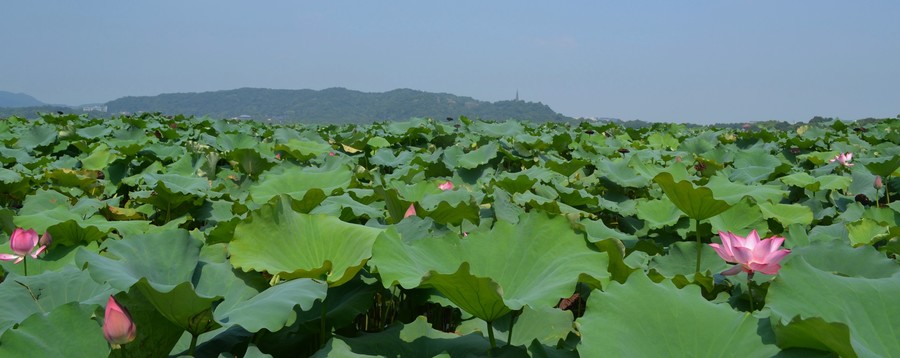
(23, 242)
(843, 158)
(878, 183)
(750, 253)
(446, 186)
(118, 328)
(410, 212)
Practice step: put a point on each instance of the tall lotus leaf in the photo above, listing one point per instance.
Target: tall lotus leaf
(535, 262)
(36, 136)
(884, 167)
(475, 158)
(162, 267)
(618, 172)
(165, 259)
(732, 193)
(451, 207)
(99, 159)
(250, 161)
(548, 325)
(416, 339)
(232, 141)
(273, 308)
(753, 166)
(842, 286)
(787, 214)
(696, 203)
(741, 218)
(403, 262)
(22, 296)
(657, 213)
(295, 181)
(278, 240)
(704, 329)
(65, 331)
(681, 260)
(479, 296)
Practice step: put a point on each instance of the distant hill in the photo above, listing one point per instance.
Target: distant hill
(16, 100)
(333, 105)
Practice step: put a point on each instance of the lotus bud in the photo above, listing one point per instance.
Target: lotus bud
(410, 212)
(118, 328)
(878, 183)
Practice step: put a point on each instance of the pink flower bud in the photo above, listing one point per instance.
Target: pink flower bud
(410, 212)
(878, 183)
(118, 328)
(446, 186)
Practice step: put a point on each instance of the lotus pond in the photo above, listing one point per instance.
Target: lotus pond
(160, 236)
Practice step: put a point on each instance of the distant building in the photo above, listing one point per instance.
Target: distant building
(96, 108)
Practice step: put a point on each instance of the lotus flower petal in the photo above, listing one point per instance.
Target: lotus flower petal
(750, 253)
(447, 185)
(23, 241)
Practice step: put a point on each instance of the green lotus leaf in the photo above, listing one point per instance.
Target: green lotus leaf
(658, 213)
(885, 166)
(618, 171)
(451, 207)
(404, 263)
(295, 181)
(22, 296)
(343, 305)
(278, 240)
(842, 286)
(475, 158)
(741, 218)
(517, 257)
(479, 296)
(37, 136)
(732, 193)
(232, 141)
(787, 214)
(866, 231)
(696, 203)
(339, 205)
(99, 159)
(94, 132)
(416, 339)
(801, 179)
(273, 308)
(547, 325)
(55, 258)
(705, 329)
(64, 331)
(682, 260)
(753, 166)
(164, 259)
(303, 149)
(250, 161)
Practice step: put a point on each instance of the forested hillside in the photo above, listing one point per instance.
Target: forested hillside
(333, 105)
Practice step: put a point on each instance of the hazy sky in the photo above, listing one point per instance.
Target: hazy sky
(684, 61)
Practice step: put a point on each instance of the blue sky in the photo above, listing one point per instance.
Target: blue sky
(684, 61)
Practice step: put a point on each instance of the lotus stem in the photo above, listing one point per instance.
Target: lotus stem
(750, 289)
(193, 344)
(512, 322)
(699, 245)
(323, 331)
(25, 264)
(490, 329)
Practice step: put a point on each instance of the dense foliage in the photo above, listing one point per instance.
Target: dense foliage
(333, 105)
(236, 238)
